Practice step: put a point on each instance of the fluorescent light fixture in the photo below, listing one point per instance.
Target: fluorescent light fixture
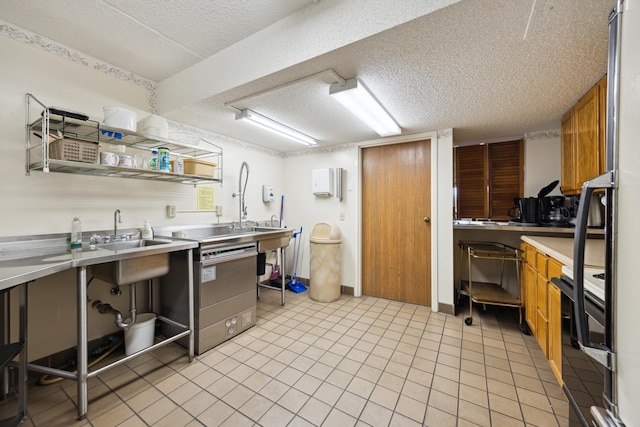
(282, 130)
(360, 102)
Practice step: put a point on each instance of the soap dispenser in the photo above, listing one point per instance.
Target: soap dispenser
(147, 231)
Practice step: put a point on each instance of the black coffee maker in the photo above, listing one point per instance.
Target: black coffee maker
(525, 211)
(533, 210)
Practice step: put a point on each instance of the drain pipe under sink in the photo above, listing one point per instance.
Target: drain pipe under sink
(104, 308)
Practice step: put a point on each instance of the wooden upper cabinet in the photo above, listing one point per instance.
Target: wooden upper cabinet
(488, 178)
(602, 120)
(567, 155)
(587, 137)
(582, 140)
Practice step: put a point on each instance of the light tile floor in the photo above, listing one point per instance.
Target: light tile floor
(354, 362)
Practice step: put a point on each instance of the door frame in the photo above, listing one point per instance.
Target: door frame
(442, 282)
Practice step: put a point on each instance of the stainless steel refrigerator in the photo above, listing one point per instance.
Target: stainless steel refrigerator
(605, 309)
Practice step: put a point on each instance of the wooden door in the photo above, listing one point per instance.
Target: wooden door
(396, 239)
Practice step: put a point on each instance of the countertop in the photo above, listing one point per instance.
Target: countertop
(505, 226)
(27, 258)
(562, 249)
(17, 267)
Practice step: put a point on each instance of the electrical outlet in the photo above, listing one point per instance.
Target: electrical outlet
(341, 216)
(171, 211)
(218, 210)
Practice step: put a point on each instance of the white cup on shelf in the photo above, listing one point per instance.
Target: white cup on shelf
(109, 159)
(126, 161)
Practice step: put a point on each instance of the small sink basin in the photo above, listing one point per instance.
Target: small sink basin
(266, 229)
(130, 244)
(131, 270)
(274, 240)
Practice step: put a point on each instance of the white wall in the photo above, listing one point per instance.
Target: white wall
(304, 209)
(44, 203)
(541, 162)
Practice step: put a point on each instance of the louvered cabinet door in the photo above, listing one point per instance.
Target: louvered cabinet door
(506, 166)
(471, 182)
(488, 178)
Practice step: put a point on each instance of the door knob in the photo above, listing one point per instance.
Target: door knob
(426, 219)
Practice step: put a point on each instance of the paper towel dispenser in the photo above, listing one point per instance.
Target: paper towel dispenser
(322, 181)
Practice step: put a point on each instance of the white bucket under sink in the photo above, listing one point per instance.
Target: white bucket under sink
(140, 335)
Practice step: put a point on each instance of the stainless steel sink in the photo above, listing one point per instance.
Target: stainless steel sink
(267, 229)
(132, 269)
(267, 237)
(130, 244)
(278, 238)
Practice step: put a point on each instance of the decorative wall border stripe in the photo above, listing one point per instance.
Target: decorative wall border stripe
(32, 39)
(545, 134)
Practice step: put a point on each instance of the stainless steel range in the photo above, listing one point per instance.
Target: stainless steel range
(224, 279)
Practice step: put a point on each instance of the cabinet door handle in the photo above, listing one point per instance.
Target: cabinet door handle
(426, 219)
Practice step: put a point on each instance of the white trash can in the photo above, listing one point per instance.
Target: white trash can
(325, 250)
(140, 335)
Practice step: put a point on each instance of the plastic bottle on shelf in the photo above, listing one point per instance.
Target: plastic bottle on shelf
(153, 162)
(164, 164)
(178, 165)
(75, 241)
(147, 231)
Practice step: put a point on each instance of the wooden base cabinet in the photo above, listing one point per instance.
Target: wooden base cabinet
(542, 304)
(555, 332)
(529, 275)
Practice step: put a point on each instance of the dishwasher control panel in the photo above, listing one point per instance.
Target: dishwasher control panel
(228, 252)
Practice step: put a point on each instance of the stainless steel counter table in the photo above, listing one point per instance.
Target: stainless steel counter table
(27, 258)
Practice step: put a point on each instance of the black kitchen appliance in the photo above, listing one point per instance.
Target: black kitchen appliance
(525, 211)
(544, 202)
(555, 213)
(533, 211)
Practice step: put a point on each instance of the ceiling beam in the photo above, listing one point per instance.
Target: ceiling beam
(311, 32)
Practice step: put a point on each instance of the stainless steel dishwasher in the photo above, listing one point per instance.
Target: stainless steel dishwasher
(224, 291)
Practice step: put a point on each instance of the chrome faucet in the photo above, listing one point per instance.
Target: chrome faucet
(241, 193)
(117, 218)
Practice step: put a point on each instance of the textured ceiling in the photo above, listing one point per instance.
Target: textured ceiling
(488, 69)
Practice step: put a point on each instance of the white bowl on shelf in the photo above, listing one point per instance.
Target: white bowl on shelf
(120, 118)
(154, 125)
